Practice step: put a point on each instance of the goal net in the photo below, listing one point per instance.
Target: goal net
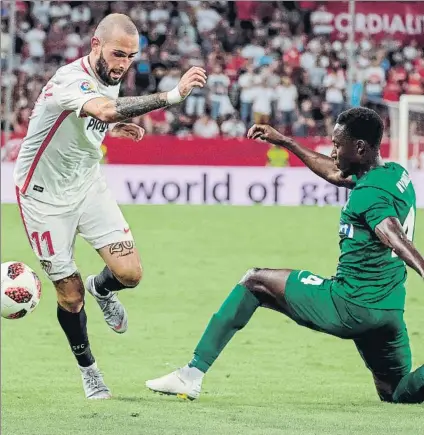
(407, 131)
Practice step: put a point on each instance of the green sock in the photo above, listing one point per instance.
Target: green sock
(411, 388)
(233, 315)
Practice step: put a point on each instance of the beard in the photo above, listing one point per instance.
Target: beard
(103, 71)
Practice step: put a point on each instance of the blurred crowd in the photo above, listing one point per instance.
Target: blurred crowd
(269, 62)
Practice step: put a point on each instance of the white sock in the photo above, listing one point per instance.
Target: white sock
(93, 366)
(192, 373)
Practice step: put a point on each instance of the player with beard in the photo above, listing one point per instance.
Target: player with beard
(61, 190)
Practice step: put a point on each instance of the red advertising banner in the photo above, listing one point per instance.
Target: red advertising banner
(170, 150)
(403, 20)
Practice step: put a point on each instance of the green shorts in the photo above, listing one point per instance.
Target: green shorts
(380, 335)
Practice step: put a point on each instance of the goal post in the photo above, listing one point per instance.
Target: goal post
(407, 131)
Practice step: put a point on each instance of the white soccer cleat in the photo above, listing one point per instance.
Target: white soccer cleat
(92, 381)
(185, 383)
(113, 311)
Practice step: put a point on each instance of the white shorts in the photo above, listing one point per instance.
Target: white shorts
(52, 229)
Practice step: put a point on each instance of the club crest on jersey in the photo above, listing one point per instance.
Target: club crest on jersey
(346, 230)
(86, 87)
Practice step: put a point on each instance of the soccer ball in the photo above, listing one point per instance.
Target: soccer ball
(20, 290)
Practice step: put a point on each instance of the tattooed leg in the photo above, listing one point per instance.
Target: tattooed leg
(70, 293)
(121, 249)
(123, 268)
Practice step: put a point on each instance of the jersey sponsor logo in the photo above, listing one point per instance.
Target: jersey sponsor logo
(87, 87)
(346, 230)
(95, 124)
(404, 181)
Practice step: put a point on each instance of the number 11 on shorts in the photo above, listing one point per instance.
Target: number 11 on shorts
(45, 237)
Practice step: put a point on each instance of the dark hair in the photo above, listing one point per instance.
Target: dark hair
(362, 123)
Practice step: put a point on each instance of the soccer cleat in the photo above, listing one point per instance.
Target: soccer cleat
(113, 310)
(185, 383)
(92, 381)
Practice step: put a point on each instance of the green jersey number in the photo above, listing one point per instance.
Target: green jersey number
(408, 226)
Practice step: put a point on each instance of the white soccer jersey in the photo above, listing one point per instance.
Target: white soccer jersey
(59, 157)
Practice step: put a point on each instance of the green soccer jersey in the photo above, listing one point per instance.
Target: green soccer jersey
(369, 273)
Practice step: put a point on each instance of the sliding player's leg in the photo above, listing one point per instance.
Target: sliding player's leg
(105, 228)
(302, 296)
(51, 231)
(387, 354)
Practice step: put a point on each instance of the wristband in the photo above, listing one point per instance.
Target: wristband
(174, 96)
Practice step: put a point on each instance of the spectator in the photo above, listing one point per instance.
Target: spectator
(304, 87)
(219, 36)
(398, 74)
(185, 26)
(206, 127)
(392, 91)
(157, 122)
(41, 12)
(411, 51)
(318, 72)
(21, 122)
(144, 81)
(263, 96)
(231, 41)
(195, 104)
(5, 45)
(55, 44)
(98, 10)
(187, 46)
(308, 60)
(247, 82)
(335, 85)
(286, 98)
(234, 64)
(159, 17)
(233, 127)
(374, 81)
(305, 122)
(218, 84)
(73, 46)
(169, 80)
(414, 85)
(139, 14)
(253, 50)
(35, 40)
(81, 16)
(207, 18)
(292, 57)
(60, 9)
(118, 7)
(321, 21)
(267, 58)
(322, 116)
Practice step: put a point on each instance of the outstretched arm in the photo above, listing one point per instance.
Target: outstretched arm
(391, 234)
(318, 163)
(108, 110)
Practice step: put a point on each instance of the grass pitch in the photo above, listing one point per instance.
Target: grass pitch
(274, 377)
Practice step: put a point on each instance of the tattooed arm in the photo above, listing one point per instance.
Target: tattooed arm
(110, 111)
